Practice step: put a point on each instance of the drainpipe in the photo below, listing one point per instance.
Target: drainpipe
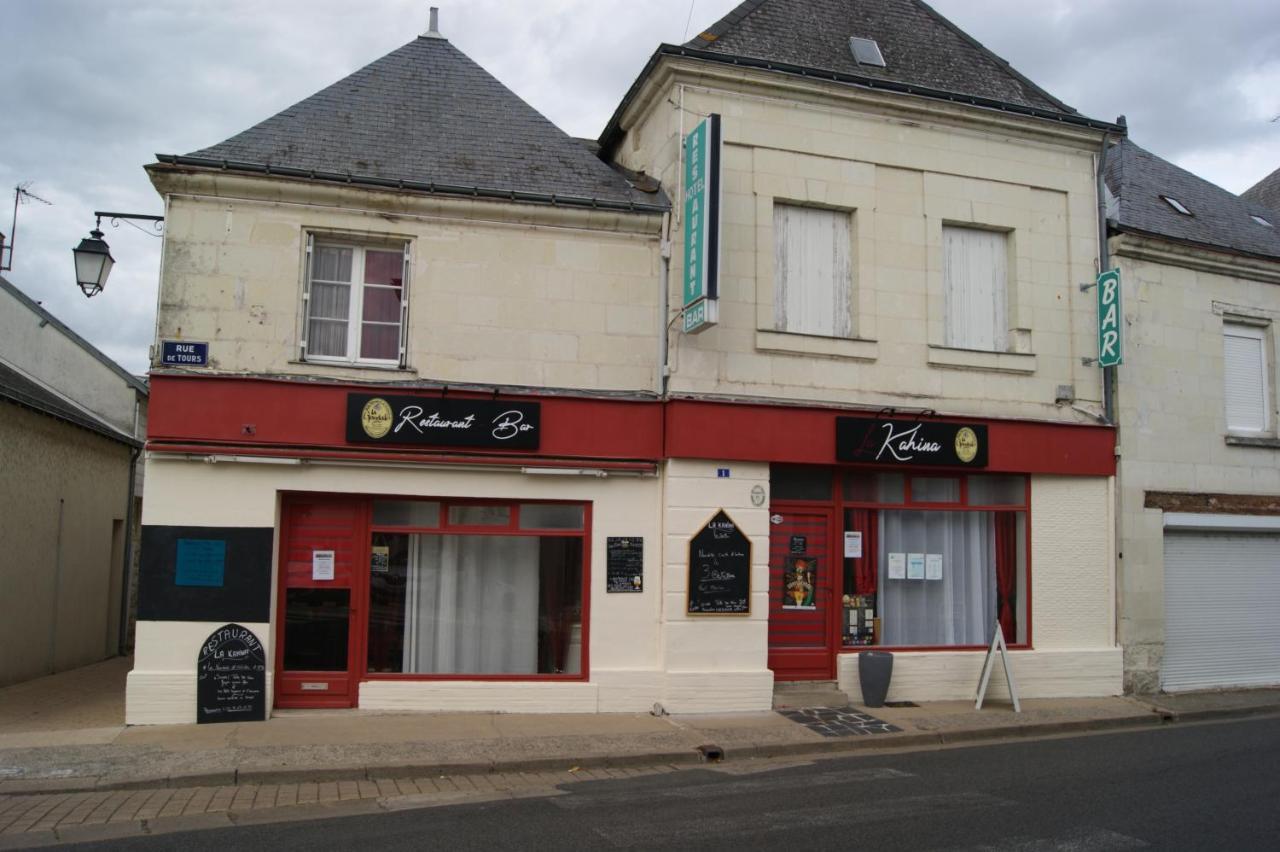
(1104, 263)
(122, 646)
(664, 305)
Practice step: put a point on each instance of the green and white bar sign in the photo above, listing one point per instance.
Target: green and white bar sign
(1110, 343)
(702, 225)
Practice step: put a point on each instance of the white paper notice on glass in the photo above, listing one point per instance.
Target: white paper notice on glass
(853, 545)
(322, 564)
(915, 566)
(897, 566)
(933, 566)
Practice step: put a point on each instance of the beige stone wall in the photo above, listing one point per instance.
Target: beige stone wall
(902, 167)
(499, 293)
(59, 583)
(1173, 434)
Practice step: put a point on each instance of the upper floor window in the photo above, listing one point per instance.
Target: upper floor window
(356, 303)
(813, 273)
(975, 284)
(1245, 383)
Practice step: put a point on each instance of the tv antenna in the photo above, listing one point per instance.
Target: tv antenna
(21, 195)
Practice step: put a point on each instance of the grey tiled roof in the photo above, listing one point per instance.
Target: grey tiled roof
(920, 47)
(427, 113)
(1265, 192)
(1219, 219)
(21, 390)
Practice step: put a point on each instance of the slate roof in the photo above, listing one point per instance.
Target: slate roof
(427, 115)
(920, 46)
(18, 388)
(1219, 219)
(1265, 192)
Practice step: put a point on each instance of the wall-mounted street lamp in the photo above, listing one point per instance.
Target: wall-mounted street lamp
(93, 255)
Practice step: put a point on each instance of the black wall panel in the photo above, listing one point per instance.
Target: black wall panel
(243, 595)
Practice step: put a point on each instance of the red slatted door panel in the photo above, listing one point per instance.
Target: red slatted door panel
(317, 663)
(801, 643)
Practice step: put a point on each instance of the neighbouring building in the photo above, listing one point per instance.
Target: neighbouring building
(453, 449)
(71, 422)
(1265, 193)
(1199, 543)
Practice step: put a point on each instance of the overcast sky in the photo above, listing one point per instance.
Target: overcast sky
(91, 91)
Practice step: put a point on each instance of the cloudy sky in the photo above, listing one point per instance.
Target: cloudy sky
(91, 91)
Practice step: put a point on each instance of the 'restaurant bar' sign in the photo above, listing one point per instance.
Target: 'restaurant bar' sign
(910, 442)
(442, 422)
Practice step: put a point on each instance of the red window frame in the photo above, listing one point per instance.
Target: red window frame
(511, 528)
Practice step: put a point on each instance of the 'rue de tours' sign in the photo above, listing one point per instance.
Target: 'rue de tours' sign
(702, 225)
(910, 442)
(442, 422)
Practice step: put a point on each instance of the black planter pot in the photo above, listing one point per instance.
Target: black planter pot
(875, 668)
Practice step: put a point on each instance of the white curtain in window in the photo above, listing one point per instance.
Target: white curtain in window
(975, 287)
(813, 273)
(959, 609)
(1245, 377)
(472, 605)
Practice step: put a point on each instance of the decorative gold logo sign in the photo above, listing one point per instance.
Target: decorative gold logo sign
(376, 417)
(966, 445)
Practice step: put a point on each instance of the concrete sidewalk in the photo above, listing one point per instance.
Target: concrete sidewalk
(65, 734)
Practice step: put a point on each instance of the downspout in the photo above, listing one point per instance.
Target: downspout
(1104, 263)
(122, 646)
(664, 301)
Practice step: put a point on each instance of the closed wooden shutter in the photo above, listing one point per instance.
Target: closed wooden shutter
(1221, 610)
(813, 272)
(975, 285)
(1244, 383)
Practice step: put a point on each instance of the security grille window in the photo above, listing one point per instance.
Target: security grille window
(356, 303)
(1245, 383)
(813, 271)
(975, 285)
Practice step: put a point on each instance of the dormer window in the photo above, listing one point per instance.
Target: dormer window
(1176, 205)
(866, 51)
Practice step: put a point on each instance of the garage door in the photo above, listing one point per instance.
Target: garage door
(1221, 610)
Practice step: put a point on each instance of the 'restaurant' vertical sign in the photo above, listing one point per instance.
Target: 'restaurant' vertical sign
(702, 225)
(1110, 351)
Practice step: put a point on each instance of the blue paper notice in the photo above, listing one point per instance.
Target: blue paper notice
(200, 562)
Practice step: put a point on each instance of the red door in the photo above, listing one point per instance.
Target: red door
(804, 583)
(323, 545)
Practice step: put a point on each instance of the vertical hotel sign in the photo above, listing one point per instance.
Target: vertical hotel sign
(702, 225)
(1110, 352)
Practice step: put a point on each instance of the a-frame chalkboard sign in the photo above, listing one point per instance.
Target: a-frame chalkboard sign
(719, 569)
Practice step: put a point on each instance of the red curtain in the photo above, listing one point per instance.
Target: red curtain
(1007, 574)
(864, 569)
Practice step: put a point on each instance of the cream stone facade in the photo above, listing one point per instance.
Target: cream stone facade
(902, 167)
(1174, 436)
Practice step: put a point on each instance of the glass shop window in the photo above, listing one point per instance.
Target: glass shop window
(505, 603)
(799, 482)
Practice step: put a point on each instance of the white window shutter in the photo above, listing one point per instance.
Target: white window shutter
(975, 285)
(813, 271)
(306, 296)
(1245, 384)
(404, 307)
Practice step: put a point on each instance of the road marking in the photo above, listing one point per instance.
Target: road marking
(1074, 840)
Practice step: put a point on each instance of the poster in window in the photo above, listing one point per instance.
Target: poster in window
(933, 566)
(853, 544)
(380, 559)
(897, 566)
(798, 581)
(915, 566)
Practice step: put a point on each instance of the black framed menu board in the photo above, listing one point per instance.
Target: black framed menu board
(624, 564)
(231, 683)
(719, 569)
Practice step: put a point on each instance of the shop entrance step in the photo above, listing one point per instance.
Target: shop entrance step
(800, 694)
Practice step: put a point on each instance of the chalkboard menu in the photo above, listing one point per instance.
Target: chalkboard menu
(719, 569)
(624, 564)
(231, 677)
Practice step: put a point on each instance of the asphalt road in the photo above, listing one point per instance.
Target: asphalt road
(1211, 786)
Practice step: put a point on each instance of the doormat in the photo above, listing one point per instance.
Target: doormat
(839, 723)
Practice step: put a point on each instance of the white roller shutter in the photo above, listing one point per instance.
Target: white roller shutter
(1221, 610)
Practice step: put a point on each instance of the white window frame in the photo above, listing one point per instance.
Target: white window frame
(1260, 333)
(954, 336)
(355, 306)
(789, 290)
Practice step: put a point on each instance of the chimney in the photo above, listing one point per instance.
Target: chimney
(433, 29)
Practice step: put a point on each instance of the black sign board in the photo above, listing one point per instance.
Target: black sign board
(231, 677)
(624, 564)
(720, 569)
(442, 422)
(910, 442)
(799, 545)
